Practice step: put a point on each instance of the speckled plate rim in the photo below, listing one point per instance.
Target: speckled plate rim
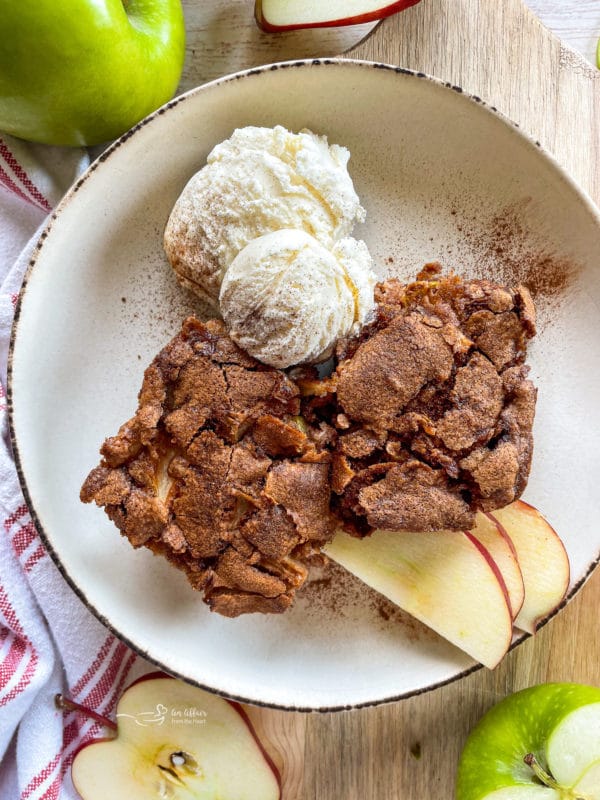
(70, 195)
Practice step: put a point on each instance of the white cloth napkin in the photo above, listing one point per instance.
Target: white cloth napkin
(49, 641)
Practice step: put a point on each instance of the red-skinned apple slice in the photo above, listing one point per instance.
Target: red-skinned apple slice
(495, 540)
(176, 741)
(542, 558)
(445, 579)
(288, 15)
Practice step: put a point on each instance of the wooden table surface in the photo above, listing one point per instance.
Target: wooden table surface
(223, 38)
(575, 22)
(500, 51)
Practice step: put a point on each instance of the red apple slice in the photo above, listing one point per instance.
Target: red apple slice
(287, 15)
(542, 558)
(495, 540)
(177, 741)
(445, 579)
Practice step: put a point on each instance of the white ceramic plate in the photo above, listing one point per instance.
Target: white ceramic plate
(442, 177)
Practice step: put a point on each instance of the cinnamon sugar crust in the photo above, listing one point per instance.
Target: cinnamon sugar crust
(210, 474)
(239, 473)
(438, 388)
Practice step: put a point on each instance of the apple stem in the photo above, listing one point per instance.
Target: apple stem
(64, 704)
(548, 780)
(541, 773)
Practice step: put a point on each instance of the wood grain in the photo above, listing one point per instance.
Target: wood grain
(503, 53)
(222, 37)
(576, 22)
(500, 51)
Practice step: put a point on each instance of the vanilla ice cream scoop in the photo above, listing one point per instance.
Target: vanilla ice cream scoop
(286, 299)
(258, 181)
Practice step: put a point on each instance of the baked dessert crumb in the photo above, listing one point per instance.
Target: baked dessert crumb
(214, 473)
(433, 407)
(239, 473)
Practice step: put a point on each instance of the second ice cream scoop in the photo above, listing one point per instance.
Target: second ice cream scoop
(286, 299)
(258, 181)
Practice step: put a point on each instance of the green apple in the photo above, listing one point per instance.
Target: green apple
(541, 743)
(81, 72)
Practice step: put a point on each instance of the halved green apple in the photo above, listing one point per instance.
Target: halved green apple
(542, 743)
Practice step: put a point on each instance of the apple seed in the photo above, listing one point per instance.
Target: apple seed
(170, 775)
(186, 761)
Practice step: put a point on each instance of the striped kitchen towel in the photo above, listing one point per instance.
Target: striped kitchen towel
(49, 641)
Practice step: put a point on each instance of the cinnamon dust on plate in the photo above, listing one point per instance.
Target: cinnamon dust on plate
(507, 255)
(334, 593)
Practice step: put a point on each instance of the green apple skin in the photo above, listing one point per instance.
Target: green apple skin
(520, 724)
(81, 72)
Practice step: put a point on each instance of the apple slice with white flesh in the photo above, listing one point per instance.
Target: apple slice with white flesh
(542, 743)
(495, 540)
(445, 579)
(178, 742)
(542, 558)
(287, 15)
(568, 751)
(589, 782)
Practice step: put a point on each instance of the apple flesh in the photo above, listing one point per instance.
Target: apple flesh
(494, 538)
(81, 72)
(570, 753)
(589, 781)
(543, 560)
(513, 557)
(556, 727)
(176, 741)
(287, 15)
(445, 579)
